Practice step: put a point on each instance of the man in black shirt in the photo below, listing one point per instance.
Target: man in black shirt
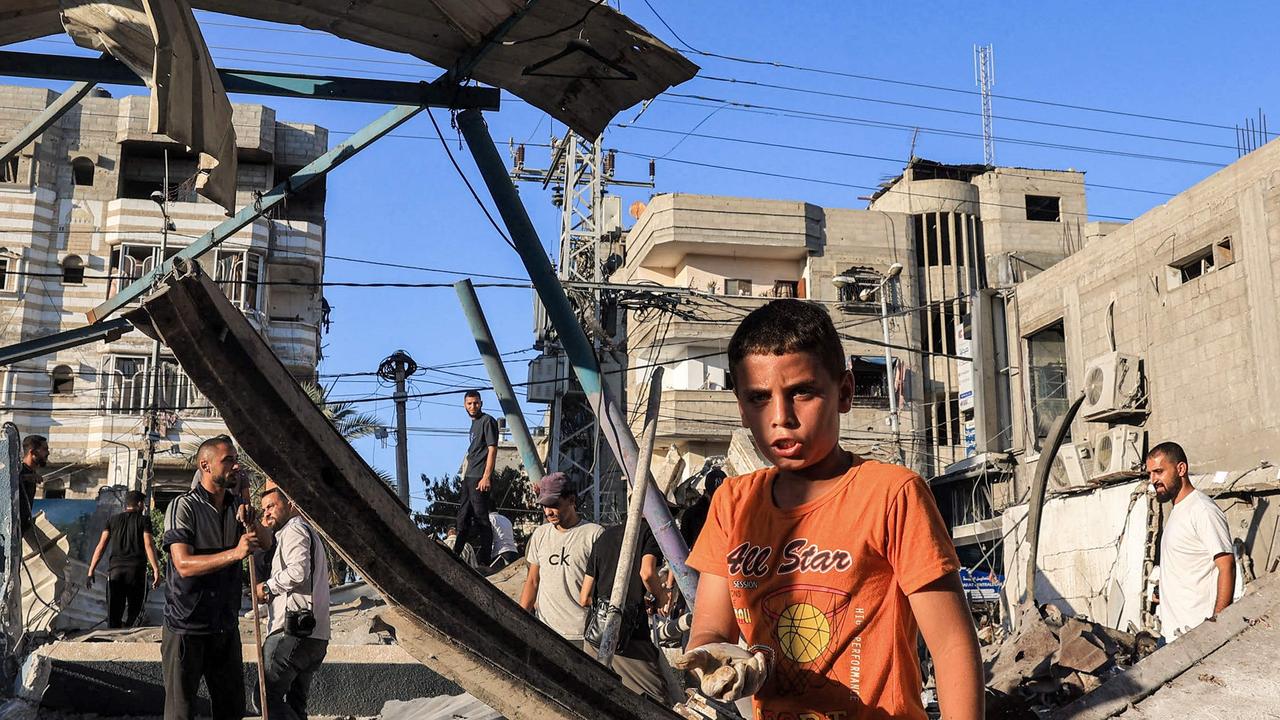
(132, 549)
(205, 534)
(636, 658)
(477, 478)
(35, 455)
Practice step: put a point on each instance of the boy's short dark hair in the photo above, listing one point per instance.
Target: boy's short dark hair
(133, 497)
(788, 326)
(1170, 451)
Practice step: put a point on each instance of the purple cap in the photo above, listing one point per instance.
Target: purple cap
(552, 487)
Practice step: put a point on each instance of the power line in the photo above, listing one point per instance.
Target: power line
(955, 111)
(925, 86)
(807, 114)
(843, 153)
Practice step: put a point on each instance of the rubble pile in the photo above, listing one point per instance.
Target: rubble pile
(1050, 660)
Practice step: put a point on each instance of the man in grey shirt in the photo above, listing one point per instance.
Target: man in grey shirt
(298, 618)
(557, 555)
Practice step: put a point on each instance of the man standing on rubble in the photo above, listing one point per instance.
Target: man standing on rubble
(206, 537)
(557, 554)
(1197, 565)
(477, 478)
(35, 455)
(297, 593)
(128, 534)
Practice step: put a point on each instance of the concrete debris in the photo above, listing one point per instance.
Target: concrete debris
(445, 707)
(29, 688)
(1053, 659)
(743, 456)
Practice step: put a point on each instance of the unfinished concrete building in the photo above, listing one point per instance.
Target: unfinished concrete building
(77, 223)
(1168, 326)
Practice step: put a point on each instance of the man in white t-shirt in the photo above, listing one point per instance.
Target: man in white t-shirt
(1197, 565)
(557, 555)
(505, 551)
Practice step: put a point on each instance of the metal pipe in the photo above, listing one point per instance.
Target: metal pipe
(153, 406)
(402, 438)
(631, 534)
(1035, 503)
(576, 345)
(498, 376)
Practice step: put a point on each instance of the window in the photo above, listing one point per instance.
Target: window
(72, 270)
(239, 274)
(131, 261)
(1201, 262)
(124, 380)
(9, 170)
(82, 171)
(63, 380)
(737, 287)
(1047, 359)
(870, 382)
(786, 288)
(851, 283)
(1043, 208)
(8, 276)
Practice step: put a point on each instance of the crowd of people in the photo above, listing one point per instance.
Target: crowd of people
(816, 575)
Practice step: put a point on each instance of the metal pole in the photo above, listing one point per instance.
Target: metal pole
(576, 345)
(498, 376)
(153, 437)
(631, 535)
(398, 367)
(888, 371)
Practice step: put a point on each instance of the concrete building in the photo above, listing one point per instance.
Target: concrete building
(77, 223)
(1169, 326)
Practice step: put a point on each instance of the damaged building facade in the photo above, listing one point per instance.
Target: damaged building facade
(78, 223)
(1168, 326)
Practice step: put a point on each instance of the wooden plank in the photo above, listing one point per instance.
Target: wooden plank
(453, 620)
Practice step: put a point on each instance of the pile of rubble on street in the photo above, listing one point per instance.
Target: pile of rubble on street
(1050, 660)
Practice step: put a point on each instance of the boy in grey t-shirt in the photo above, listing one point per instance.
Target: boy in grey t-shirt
(557, 555)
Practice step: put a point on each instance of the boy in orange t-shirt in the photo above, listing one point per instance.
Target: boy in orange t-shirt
(828, 564)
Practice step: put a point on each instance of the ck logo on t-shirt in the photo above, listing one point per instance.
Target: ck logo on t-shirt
(560, 558)
(798, 555)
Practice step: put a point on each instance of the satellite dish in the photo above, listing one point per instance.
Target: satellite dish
(636, 210)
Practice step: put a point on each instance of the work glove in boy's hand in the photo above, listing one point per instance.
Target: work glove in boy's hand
(725, 671)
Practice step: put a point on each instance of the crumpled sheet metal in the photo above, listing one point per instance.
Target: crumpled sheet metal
(443, 31)
(161, 42)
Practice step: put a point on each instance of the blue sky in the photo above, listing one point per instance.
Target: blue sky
(401, 202)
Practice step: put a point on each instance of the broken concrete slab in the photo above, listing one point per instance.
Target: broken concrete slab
(1024, 655)
(450, 707)
(743, 456)
(1241, 648)
(511, 661)
(1079, 652)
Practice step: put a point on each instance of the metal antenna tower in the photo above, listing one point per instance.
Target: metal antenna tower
(580, 173)
(984, 74)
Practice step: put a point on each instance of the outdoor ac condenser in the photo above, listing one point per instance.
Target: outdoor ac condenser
(1113, 387)
(1119, 449)
(1070, 470)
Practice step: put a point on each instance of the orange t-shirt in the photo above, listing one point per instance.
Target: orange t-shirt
(825, 585)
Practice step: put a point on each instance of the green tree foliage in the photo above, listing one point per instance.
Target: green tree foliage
(511, 493)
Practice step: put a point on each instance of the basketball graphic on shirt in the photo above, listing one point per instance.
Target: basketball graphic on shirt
(806, 618)
(803, 632)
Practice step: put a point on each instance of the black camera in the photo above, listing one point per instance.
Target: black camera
(299, 623)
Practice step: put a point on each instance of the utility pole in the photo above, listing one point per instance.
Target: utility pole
(984, 75)
(152, 431)
(580, 174)
(396, 368)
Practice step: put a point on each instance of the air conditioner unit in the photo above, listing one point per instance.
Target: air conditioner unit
(1113, 387)
(1117, 450)
(1070, 469)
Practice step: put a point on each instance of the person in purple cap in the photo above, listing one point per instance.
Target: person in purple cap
(557, 553)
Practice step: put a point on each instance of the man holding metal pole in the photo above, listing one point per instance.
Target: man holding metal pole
(208, 532)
